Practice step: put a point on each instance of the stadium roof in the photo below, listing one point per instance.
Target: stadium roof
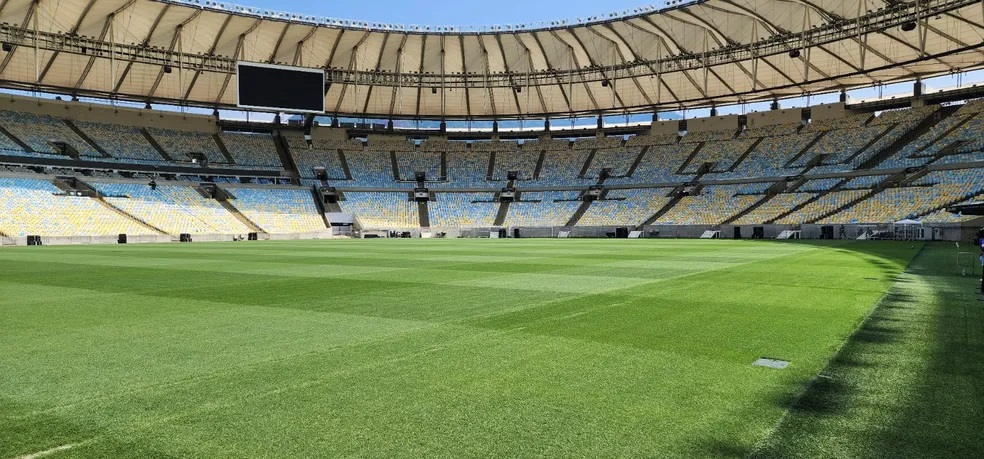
(682, 54)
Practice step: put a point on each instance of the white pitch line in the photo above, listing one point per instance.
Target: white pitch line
(54, 450)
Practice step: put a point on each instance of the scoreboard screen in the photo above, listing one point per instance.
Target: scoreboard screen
(280, 88)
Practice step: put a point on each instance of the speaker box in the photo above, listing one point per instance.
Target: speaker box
(122, 239)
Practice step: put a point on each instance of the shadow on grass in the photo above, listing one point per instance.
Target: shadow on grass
(907, 384)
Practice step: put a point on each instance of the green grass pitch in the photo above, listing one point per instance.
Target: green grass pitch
(484, 348)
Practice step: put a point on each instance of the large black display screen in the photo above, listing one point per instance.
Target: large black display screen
(274, 87)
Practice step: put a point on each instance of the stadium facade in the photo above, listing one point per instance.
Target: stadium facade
(75, 171)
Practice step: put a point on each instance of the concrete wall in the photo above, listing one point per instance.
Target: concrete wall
(82, 111)
(773, 118)
(665, 127)
(327, 133)
(714, 123)
(827, 111)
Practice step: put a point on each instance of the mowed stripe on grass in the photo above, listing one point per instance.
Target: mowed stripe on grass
(437, 348)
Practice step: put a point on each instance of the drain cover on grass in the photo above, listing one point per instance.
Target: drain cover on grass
(771, 363)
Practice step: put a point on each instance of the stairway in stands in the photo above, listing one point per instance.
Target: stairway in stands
(500, 216)
(85, 137)
(585, 204)
(424, 214)
(286, 158)
(239, 216)
(774, 190)
(157, 146)
(923, 127)
(222, 149)
(74, 185)
(677, 195)
(693, 154)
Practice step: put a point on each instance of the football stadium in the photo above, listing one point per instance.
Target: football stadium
(687, 229)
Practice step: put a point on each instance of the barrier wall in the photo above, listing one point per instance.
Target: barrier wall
(100, 113)
(773, 118)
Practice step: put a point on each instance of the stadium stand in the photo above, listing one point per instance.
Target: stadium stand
(175, 209)
(126, 143)
(543, 209)
(410, 162)
(252, 150)
(377, 210)
(463, 210)
(40, 131)
(713, 206)
(178, 144)
(627, 207)
(279, 211)
(36, 207)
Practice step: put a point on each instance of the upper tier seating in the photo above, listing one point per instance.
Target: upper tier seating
(619, 160)
(708, 136)
(178, 144)
(38, 131)
(659, 165)
(595, 143)
(722, 154)
(469, 169)
(252, 150)
(769, 158)
(175, 209)
(320, 153)
(372, 169)
(31, 207)
(122, 142)
(279, 210)
(562, 167)
(410, 162)
(523, 161)
(441, 146)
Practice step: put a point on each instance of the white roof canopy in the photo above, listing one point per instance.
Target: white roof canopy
(699, 54)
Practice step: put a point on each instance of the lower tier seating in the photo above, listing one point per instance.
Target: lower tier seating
(279, 211)
(174, 209)
(382, 210)
(33, 207)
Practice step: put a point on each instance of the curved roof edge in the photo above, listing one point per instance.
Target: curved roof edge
(352, 24)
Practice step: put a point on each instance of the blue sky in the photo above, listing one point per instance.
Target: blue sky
(449, 12)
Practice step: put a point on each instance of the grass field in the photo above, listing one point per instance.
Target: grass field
(475, 348)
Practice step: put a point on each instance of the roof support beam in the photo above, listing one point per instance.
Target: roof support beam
(553, 72)
(397, 90)
(144, 43)
(175, 41)
(379, 63)
(353, 61)
(240, 50)
(280, 40)
(27, 20)
(74, 30)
